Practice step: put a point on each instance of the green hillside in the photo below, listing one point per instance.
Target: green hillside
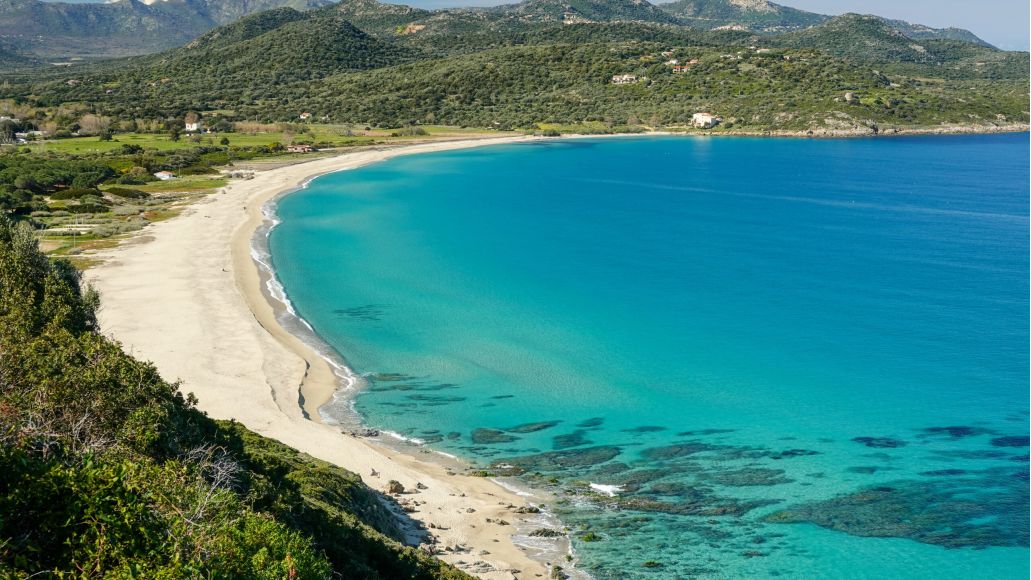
(490, 68)
(105, 469)
(874, 40)
(54, 29)
(585, 10)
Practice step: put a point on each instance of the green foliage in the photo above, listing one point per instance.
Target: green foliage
(73, 193)
(107, 470)
(127, 193)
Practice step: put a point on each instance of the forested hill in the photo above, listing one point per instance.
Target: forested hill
(105, 467)
(121, 27)
(129, 27)
(523, 65)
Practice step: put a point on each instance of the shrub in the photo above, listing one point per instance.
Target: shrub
(128, 193)
(73, 193)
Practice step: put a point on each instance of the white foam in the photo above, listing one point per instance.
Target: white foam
(609, 490)
(512, 488)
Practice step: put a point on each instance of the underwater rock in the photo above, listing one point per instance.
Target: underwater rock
(1012, 441)
(864, 469)
(484, 436)
(704, 432)
(434, 400)
(368, 312)
(560, 460)
(574, 439)
(788, 454)
(706, 505)
(957, 512)
(678, 450)
(955, 432)
(591, 423)
(644, 429)
(747, 477)
(944, 472)
(546, 533)
(532, 427)
(880, 442)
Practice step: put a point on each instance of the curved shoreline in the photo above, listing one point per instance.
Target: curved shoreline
(187, 295)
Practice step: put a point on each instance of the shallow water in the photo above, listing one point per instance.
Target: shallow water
(784, 357)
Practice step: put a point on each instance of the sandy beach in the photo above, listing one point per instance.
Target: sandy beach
(187, 295)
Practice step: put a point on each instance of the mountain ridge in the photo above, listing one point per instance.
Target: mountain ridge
(131, 27)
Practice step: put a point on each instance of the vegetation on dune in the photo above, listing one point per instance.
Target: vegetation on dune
(106, 469)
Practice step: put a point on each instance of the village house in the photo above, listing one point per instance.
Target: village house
(192, 123)
(164, 175)
(299, 148)
(705, 120)
(624, 79)
(679, 68)
(672, 61)
(305, 116)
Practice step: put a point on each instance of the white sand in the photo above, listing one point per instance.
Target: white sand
(187, 296)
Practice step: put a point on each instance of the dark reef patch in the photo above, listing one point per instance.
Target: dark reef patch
(434, 400)
(955, 432)
(791, 453)
(705, 432)
(491, 436)
(989, 509)
(532, 427)
(574, 439)
(591, 423)
(944, 472)
(368, 312)
(561, 460)
(880, 442)
(644, 429)
(703, 504)
(747, 477)
(678, 450)
(1012, 441)
(864, 469)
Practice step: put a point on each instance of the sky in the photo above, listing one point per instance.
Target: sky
(1003, 23)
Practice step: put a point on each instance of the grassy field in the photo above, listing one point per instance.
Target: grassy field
(342, 135)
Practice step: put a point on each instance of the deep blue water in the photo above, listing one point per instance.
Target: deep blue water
(795, 357)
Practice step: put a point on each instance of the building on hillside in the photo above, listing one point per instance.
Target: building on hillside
(672, 62)
(305, 116)
(164, 175)
(192, 122)
(705, 120)
(681, 68)
(299, 149)
(624, 79)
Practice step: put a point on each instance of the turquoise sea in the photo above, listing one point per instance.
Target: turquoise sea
(781, 357)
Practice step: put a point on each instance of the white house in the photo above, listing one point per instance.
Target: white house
(625, 79)
(705, 120)
(164, 175)
(305, 116)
